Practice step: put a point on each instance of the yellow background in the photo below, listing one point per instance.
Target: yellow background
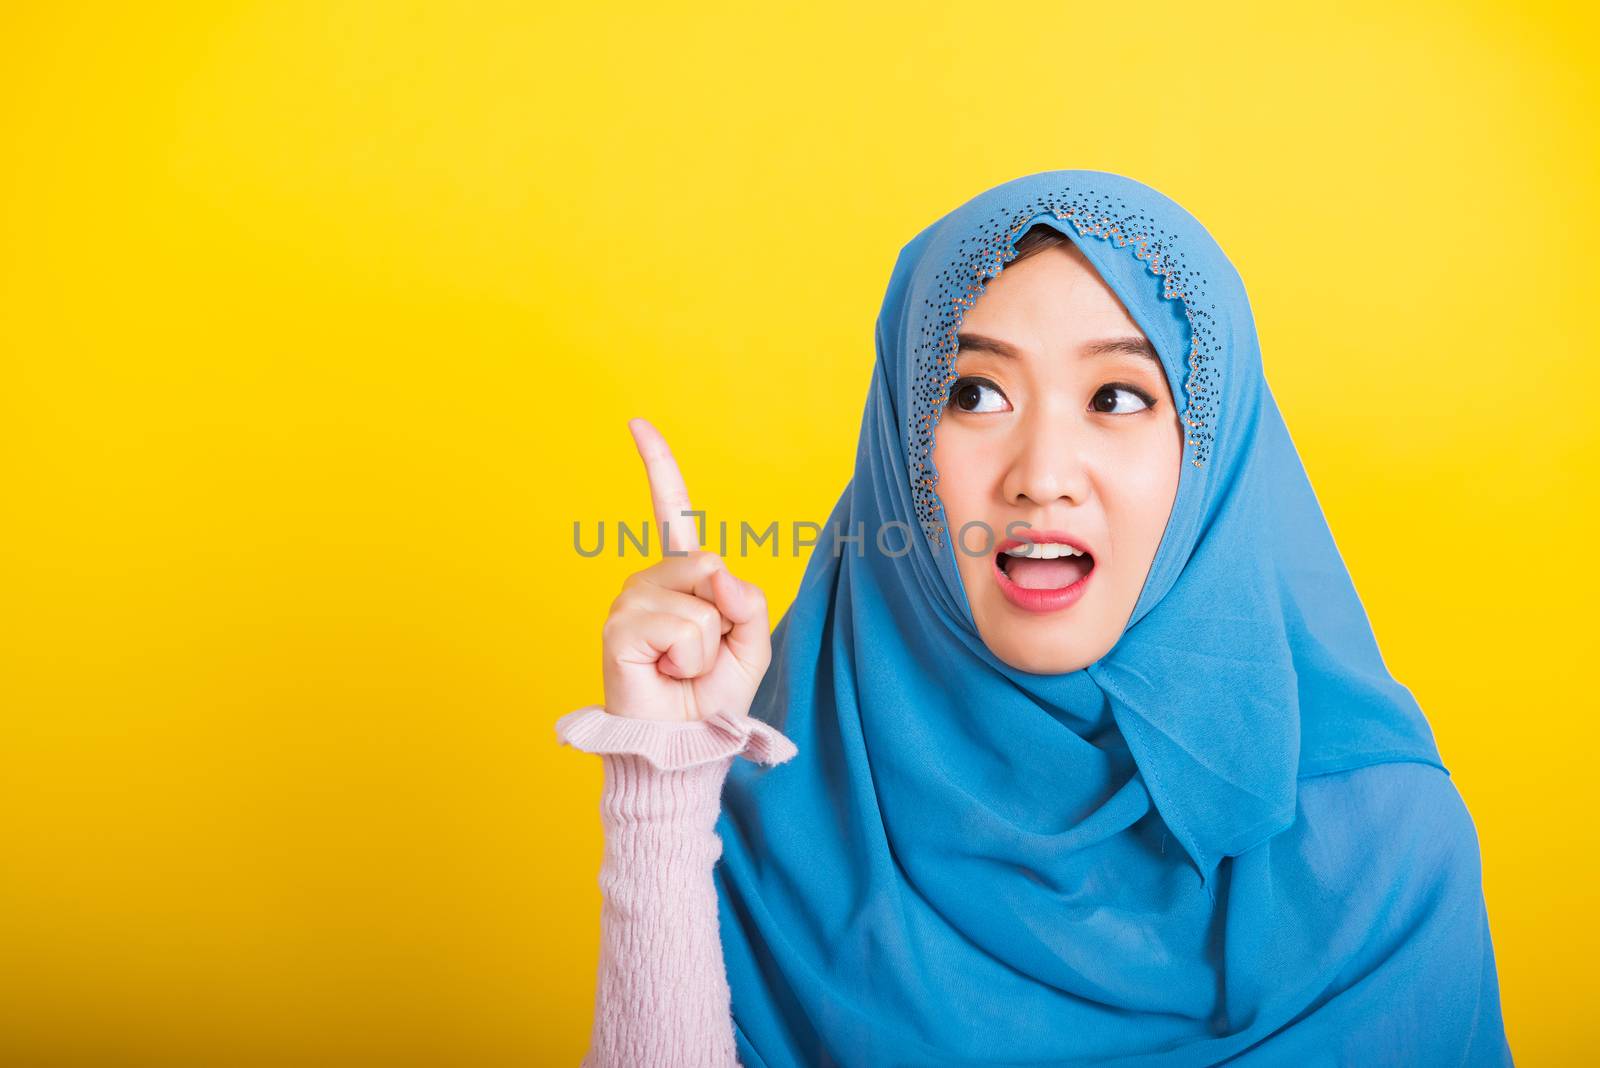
(320, 325)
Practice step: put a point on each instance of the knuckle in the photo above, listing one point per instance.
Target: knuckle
(706, 616)
(687, 648)
(686, 630)
(625, 601)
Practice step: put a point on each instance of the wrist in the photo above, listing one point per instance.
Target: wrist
(639, 793)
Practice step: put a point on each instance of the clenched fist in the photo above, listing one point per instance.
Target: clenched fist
(685, 638)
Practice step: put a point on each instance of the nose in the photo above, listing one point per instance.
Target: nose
(1049, 459)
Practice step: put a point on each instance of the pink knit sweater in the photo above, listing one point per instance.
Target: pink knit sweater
(661, 996)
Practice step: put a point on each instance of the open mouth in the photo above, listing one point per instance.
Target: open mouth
(1046, 570)
(1042, 576)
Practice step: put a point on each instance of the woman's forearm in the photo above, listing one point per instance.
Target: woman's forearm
(661, 995)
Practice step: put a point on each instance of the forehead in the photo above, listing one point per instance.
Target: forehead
(1051, 293)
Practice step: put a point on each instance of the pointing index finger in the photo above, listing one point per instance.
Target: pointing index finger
(668, 494)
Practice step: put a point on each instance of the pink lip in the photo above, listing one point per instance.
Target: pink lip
(1042, 537)
(1040, 600)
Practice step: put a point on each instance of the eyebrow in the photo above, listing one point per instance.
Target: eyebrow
(1111, 346)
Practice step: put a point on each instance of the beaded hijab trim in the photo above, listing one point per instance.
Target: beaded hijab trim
(981, 257)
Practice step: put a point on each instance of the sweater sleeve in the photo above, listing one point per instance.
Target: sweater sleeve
(661, 993)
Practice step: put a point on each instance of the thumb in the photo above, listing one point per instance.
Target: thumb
(743, 604)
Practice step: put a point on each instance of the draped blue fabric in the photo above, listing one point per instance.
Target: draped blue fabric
(1230, 839)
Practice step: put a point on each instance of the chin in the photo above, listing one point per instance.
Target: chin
(1037, 654)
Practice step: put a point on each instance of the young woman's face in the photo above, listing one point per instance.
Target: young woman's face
(1061, 419)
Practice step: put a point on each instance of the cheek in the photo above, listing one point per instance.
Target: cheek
(1140, 499)
(962, 476)
(964, 490)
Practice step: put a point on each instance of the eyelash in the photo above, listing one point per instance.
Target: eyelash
(958, 384)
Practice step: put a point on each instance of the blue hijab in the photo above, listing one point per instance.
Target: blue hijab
(1231, 837)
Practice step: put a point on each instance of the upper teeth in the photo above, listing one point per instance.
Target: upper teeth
(1035, 550)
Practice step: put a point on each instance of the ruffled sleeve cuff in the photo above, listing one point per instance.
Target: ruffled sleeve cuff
(670, 746)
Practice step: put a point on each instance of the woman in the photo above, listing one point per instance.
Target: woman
(1104, 768)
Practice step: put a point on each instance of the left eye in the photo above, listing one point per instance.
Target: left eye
(976, 395)
(1112, 390)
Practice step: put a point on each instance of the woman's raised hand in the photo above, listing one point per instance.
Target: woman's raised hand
(685, 638)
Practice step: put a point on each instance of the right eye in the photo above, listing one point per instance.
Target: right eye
(971, 394)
